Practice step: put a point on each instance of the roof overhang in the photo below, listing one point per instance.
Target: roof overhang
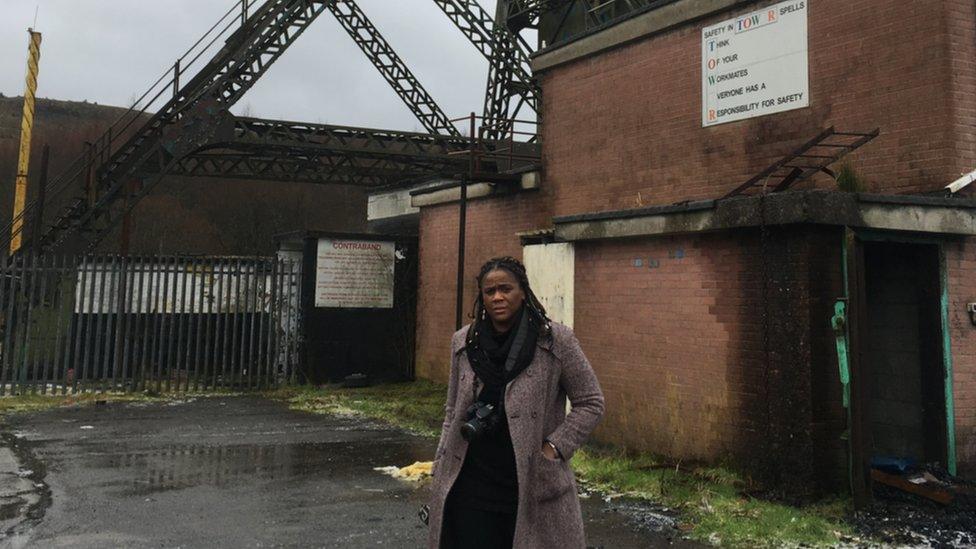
(908, 213)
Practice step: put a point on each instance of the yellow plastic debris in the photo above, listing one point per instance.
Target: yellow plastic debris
(419, 470)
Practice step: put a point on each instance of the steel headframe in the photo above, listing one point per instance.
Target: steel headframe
(251, 49)
(510, 85)
(391, 67)
(193, 133)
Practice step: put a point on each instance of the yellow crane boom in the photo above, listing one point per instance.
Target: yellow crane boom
(26, 129)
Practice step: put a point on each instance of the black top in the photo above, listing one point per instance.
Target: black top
(488, 480)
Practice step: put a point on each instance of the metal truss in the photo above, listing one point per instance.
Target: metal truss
(193, 133)
(318, 169)
(185, 120)
(509, 72)
(572, 17)
(478, 25)
(391, 67)
(526, 13)
(319, 153)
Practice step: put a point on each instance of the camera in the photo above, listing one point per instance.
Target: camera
(481, 419)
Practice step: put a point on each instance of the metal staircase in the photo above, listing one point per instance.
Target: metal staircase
(182, 124)
(111, 175)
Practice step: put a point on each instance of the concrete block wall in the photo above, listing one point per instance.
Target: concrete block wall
(826, 284)
(623, 128)
(894, 350)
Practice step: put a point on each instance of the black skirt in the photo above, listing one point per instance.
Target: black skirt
(473, 528)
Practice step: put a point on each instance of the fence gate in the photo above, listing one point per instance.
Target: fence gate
(134, 323)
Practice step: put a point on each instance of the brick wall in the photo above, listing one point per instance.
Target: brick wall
(961, 257)
(960, 17)
(677, 346)
(673, 327)
(623, 128)
(491, 231)
(829, 415)
(961, 270)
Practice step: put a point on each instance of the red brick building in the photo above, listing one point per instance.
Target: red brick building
(708, 319)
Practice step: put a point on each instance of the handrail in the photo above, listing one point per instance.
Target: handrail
(101, 148)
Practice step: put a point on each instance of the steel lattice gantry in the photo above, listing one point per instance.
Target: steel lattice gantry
(391, 67)
(509, 73)
(193, 132)
(318, 153)
(186, 120)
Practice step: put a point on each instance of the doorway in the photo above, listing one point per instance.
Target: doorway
(903, 364)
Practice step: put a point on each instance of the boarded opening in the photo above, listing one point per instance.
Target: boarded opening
(551, 270)
(903, 352)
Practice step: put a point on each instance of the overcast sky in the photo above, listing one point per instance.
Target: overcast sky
(110, 51)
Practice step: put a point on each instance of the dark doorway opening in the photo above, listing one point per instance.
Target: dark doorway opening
(905, 402)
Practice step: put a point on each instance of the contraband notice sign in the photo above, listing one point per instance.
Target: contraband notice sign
(354, 274)
(755, 64)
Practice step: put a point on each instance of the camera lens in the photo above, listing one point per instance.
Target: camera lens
(469, 430)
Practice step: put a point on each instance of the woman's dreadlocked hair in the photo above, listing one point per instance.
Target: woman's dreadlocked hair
(517, 269)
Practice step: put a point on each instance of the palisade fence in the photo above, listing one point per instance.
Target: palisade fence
(136, 323)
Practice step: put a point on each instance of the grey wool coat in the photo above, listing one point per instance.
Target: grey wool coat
(535, 401)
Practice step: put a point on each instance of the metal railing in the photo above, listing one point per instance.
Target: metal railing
(517, 145)
(97, 153)
(73, 324)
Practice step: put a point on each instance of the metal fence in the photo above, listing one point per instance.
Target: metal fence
(128, 323)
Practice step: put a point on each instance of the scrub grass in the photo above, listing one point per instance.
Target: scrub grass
(13, 404)
(417, 407)
(709, 501)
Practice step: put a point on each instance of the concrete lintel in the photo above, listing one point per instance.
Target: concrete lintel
(901, 213)
(451, 191)
(640, 26)
(450, 194)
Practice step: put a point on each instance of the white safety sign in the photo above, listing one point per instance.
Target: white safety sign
(755, 64)
(354, 273)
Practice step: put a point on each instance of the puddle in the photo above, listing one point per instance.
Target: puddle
(27, 497)
(146, 471)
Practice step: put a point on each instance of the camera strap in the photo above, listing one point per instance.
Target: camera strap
(517, 343)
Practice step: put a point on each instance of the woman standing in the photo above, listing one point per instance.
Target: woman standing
(501, 472)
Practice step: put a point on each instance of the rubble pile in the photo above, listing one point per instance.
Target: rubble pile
(900, 517)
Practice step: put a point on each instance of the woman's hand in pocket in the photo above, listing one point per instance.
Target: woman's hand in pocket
(549, 451)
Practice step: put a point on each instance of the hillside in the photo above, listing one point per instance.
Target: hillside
(182, 215)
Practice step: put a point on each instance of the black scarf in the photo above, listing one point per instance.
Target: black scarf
(488, 358)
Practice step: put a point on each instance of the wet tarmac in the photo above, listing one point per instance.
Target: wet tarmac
(236, 472)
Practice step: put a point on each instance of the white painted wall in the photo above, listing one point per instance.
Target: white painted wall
(552, 269)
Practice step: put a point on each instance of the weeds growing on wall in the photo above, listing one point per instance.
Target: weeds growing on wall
(849, 181)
